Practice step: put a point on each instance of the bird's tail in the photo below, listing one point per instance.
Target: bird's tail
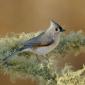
(5, 60)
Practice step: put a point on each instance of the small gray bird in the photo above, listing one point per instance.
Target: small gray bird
(43, 43)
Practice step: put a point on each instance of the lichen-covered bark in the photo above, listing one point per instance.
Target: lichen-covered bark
(25, 64)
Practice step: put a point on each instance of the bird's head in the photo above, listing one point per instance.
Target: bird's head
(54, 29)
(55, 26)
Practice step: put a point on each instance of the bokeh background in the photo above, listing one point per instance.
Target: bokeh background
(33, 15)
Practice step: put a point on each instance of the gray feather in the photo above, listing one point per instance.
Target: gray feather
(39, 41)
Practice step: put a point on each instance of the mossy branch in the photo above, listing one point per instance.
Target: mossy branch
(25, 64)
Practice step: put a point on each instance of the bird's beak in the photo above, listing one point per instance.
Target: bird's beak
(62, 30)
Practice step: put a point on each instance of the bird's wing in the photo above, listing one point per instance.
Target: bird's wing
(39, 41)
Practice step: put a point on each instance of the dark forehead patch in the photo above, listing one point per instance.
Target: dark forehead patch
(57, 25)
(60, 28)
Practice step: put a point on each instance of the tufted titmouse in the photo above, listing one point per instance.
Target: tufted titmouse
(43, 43)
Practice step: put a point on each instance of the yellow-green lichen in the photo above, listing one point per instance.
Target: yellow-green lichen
(25, 64)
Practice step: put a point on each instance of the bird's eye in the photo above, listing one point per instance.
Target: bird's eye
(56, 29)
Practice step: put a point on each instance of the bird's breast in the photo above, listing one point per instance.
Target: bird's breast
(46, 49)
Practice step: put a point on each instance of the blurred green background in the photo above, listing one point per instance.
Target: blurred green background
(33, 15)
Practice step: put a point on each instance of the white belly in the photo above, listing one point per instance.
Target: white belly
(45, 50)
(42, 50)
